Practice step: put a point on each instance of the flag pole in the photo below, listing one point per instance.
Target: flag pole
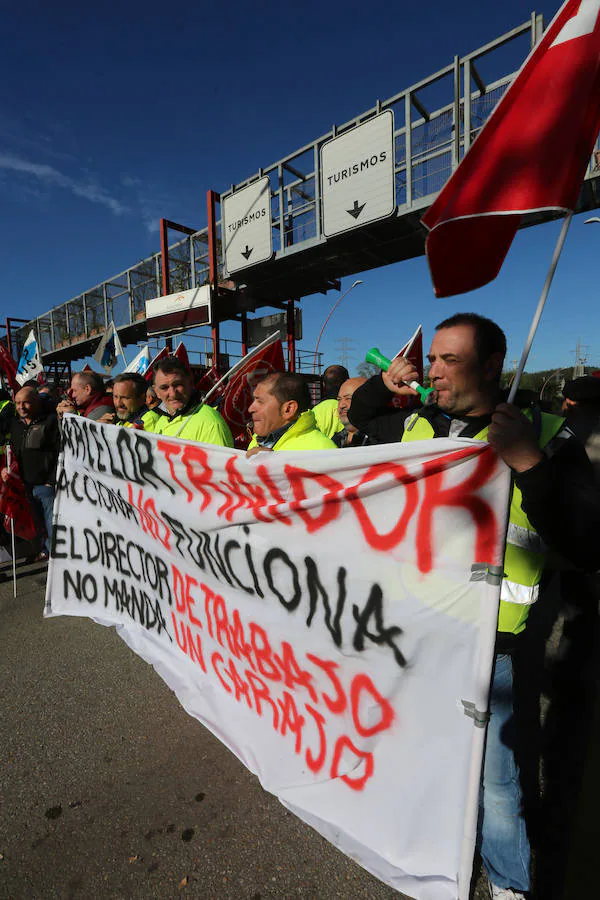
(409, 346)
(12, 530)
(231, 372)
(14, 556)
(241, 361)
(541, 303)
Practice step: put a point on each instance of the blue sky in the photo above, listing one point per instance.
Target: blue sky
(117, 117)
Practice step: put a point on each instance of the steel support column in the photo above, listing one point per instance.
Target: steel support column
(244, 321)
(166, 275)
(456, 116)
(291, 336)
(213, 271)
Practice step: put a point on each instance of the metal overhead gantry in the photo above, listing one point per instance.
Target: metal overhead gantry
(349, 201)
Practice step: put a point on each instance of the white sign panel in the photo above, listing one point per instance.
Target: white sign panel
(317, 611)
(177, 311)
(246, 226)
(357, 176)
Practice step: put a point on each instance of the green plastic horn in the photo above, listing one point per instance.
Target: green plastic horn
(376, 357)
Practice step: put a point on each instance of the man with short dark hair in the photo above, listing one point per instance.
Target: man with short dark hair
(129, 400)
(35, 441)
(326, 412)
(87, 397)
(553, 486)
(185, 415)
(282, 417)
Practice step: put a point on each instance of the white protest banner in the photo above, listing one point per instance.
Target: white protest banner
(327, 615)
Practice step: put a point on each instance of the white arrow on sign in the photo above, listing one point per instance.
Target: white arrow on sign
(246, 226)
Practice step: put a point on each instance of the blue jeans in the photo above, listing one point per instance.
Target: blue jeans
(502, 838)
(43, 495)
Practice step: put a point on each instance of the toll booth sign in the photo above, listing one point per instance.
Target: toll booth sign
(246, 226)
(357, 176)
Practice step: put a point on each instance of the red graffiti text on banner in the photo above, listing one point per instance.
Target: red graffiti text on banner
(304, 700)
(423, 492)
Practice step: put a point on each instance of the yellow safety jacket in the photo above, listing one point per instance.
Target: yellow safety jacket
(150, 418)
(127, 423)
(327, 419)
(203, 424)
(302, 435)
(525, 552)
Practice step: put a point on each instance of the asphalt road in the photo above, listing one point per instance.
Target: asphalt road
(110, 790)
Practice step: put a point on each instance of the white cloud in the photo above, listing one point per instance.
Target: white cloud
(48, 175)
(148, 201)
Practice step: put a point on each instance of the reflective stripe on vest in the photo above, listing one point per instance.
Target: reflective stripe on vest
(524, 555)
(524, 538)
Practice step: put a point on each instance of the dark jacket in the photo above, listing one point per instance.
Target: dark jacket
(36, 447)
(560, 496)
(7, 416)
(340, 439)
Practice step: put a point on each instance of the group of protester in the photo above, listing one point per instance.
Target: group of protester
(554, 507)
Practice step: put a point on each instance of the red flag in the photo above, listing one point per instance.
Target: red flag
(149, 373)
(8, 369)
(208, 380)
(15, 506)
(237, 396)
(531, 155)
(415, 355)
(181, 354)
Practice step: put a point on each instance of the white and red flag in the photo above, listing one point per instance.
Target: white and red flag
(208, 380)
(181, 354)
(531, 155)
(413, 351)
(238, 395)
(162, 354)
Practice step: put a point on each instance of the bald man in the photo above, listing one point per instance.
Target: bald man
(35, 442)
(349, 436)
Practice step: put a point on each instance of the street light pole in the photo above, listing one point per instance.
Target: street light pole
(548, 380)
(331, 312)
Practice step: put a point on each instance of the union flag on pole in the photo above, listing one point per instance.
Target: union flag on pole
(237, 396)
(181, 354)
(413, 351)
(531, 155)
(162, 354)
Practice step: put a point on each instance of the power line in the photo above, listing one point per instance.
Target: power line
(581, 357)
(346, 345)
